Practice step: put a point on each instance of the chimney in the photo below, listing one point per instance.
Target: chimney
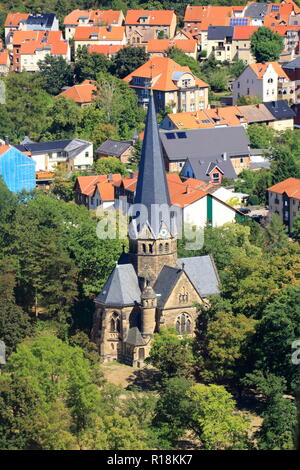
(224, 156)
(109, 177)
(6, 140)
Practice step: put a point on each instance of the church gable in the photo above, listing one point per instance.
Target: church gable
(174, 289)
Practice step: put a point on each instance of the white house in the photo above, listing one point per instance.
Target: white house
(76, 153)
(267, 81)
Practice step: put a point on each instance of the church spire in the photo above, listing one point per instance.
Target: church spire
(152, 188)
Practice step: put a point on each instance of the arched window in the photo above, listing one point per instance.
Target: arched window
(141, 354)
(115, 324)
(270, 80)
(160, 247)
(183, 324)
(166, 247)
(144, 248)
(151, 248)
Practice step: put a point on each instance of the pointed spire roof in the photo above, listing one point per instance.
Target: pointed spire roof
(152, 188)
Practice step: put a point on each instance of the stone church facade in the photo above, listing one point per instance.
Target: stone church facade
(150, 287)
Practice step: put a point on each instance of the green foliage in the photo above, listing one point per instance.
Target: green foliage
(266, 45)
(218, 80)
(245, 100)
(171, 355)
(56, 73)
(261, 136)
(87, 66)
(254, 183)
(237, 68)
(296, 229)
(127, 60)
(283, 164)
(182, 59)
(215, 419)
(105, 166)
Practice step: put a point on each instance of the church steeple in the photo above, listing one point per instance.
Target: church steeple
(152, 188)
(152, 241)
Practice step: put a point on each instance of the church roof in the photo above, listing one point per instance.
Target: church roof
(134, 337)
(122, 287)
(203, 274)
(152, 187)
(165, 282)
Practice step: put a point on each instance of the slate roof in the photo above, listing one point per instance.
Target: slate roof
(256, 10)
(165, 282)
(73, 146)
(203, 274)
(280, 109)
(152, 187)
(204, 143)
(203, 168)
(256, 113)
(122, 287)
(294, 64)
(134, 337)
(114, 147)
(219, 32)
(45, 20)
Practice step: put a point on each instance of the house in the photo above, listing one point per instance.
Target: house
(284, 200)
(267, 81)
(158, 47)
(106, 49)
(195, 203)
(12, 24)
(121, 149)
(283, 115)
(99, 35)
(208, 118)
(198, 18)
(16, 169)
(76, 154)
(242, 43)
(4, 61)
(220, 42)
(143, 25)
(150, 287)
(27, 22)
(91, 18)
(292, 69)
(82, 94)
(173, 85)
(30, 47)
(95, 191)
(228, 145)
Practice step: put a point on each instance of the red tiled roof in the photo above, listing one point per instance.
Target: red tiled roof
(4, 148)
(243, 32)
(107, 17)
(290, 186)
(82, 93)
(106, 49)
(161, 69)
(4, 57)
(156, 17)
(87, 184)
(260, 69)
(160, 45)
(83, 33)
(13, 19)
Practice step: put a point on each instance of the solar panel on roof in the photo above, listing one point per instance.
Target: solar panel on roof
(275, 8)
(181, 135)
(171, 136)
(205, 121)
(238, 21)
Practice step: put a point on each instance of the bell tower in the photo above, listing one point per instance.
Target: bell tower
(152, 237)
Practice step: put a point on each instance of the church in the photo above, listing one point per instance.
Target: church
(150, 287)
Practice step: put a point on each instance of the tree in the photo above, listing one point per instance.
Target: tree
(283, 164)
(266, 45)
(173, 409)
(245, 100)
(275, 234)
(25, 111)
(261, 136)
(215, 420)
(171, 355)
(105, 166)
(237, 68)
(296, 229)
(218, 80)
(65, 117)
(87, 65)
(127, 60)
(182, 59)
(56, 73)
